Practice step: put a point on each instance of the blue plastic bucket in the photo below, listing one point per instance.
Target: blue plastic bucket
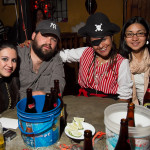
(39, 129)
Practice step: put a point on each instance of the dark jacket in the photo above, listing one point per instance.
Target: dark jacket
(9, 93)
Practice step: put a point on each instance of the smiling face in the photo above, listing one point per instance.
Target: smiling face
(104, 48)
(8, 61)
(138, 38)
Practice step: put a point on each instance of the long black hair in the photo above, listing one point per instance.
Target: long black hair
(124, 49)
(7, 44)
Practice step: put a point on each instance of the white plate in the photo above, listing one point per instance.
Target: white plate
(86, 126)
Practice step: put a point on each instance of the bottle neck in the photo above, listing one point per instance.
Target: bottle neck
(56, 86)
(29, 96)
(123, 136)
(130, 115)
(88, 144)
(88, 140)
(123, 143)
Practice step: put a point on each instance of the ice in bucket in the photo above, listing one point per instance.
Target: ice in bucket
(139, 135)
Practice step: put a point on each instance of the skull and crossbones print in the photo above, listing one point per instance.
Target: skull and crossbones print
(98, 27)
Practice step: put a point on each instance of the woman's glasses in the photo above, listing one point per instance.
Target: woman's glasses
(139, 34)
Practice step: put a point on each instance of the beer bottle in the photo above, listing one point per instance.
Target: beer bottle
(30, 137)
(48, 103)
(56, 86)
(130, 114)
(2, 144)
(122, 143)
(54, 97)
(63, 107)
(146, 100)
(30, 105)
(87, 140)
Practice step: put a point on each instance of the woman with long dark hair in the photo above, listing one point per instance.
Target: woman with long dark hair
(9, 84)
(135, 46)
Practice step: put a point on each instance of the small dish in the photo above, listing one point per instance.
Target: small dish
(86, 126)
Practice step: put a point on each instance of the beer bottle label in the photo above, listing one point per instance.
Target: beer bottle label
(148, 90)
(55, 105)
(59, 94)
(30, 106)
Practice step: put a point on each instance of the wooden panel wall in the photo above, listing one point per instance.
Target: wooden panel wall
(137, 8)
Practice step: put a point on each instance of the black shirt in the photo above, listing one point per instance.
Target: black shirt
(4, 100)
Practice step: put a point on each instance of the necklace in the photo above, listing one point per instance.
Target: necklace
(9, 97)
(100, 62)
(99, 78)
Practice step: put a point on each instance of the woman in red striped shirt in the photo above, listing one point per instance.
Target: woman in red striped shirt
(102, 71)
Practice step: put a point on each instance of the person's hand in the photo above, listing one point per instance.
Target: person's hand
(124, 100)
(38, 93)
(25, 43)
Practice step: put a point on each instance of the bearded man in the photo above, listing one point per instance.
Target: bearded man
(40, 64)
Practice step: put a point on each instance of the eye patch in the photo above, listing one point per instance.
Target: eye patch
(96, 42)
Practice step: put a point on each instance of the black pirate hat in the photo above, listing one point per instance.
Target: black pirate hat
(98, 25)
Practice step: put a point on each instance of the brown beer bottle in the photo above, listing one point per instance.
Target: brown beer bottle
(56, 86)
(48, 103)
(87, 140)
(31, 140)
(54, 97)
(130, 114)
(63, 111)
(122, 143)
(30, 105)
(146, 100)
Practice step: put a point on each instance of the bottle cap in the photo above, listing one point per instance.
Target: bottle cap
(88, 133)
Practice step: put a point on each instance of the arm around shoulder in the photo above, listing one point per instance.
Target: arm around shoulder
(72, 55)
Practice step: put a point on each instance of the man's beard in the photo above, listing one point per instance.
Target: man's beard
(46, 56)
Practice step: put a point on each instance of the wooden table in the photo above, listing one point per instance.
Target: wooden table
(91, 108)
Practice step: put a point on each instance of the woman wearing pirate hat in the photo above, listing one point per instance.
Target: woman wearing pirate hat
(102, 71)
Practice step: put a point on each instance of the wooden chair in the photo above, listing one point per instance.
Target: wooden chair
(71, 40)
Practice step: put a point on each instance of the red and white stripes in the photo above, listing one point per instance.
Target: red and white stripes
(97, 76)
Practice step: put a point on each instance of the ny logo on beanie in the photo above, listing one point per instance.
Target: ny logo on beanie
(98, 27)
